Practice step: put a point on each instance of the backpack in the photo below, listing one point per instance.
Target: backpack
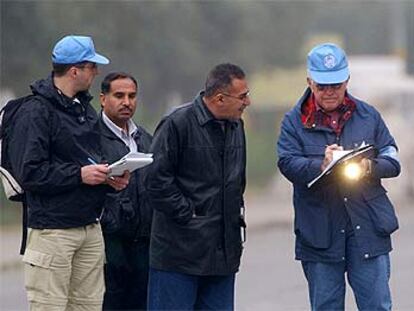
(12, 189)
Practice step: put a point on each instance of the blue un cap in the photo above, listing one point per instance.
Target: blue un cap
(76, 49)
(327, 64)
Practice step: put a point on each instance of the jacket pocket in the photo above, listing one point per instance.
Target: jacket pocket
(315, 234)
(381, 211)
(312, 219)
(37, 273)
(196, 238)
(118, 215)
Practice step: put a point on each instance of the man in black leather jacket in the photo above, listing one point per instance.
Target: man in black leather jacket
(54, 140)
(126, 218)
(196, 187)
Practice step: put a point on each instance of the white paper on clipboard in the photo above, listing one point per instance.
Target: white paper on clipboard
(130, 162)
(341, 156)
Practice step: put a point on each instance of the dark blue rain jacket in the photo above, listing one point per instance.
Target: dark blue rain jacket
(322, 211)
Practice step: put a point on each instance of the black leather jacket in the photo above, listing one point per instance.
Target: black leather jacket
(196, 186)
(126, 213)
(51, 140)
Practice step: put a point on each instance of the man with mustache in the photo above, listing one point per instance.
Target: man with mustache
(341, 226)
(126, 218)
(196, 187)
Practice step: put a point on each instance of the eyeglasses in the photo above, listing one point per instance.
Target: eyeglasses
(323, 87)
(242, 97)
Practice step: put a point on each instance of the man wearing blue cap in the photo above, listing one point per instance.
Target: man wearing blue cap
(341, 226)
(54, 150)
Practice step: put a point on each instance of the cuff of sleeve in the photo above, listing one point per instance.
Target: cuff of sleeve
(182, 220)
(383, 168)
(184, 215)
(314, 169)
(79, 175)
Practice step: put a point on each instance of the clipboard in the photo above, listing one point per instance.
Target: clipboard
(130, 162)
(364, 151)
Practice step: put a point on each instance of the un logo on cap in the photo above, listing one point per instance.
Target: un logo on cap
(329, 61)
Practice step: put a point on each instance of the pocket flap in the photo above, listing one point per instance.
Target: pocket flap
(37, 258)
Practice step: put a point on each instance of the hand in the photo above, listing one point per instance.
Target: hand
(366, 165)
(94, 174)
(119, 182)
(329, 155)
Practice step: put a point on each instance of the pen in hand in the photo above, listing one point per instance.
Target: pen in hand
(91, 161)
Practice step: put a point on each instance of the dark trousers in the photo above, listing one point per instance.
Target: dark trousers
(179, 291)
(126, 274)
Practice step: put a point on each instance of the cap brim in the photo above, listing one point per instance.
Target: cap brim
(329, 77)
(99, 59)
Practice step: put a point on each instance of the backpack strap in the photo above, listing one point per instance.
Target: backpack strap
(24, 226)
(23, 198)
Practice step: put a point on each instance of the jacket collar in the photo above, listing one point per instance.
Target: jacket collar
(308, 92)
(107, 132)
(203, 114)
(132, 128)
(47, 89)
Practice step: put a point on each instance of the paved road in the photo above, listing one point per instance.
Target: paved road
(270, 279)
(12, 294)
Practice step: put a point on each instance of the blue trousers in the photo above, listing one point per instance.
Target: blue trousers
(179, 291)
(368, 278)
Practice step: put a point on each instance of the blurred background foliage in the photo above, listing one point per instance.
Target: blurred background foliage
(171, 45)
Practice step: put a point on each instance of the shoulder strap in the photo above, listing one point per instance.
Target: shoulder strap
(24, 226)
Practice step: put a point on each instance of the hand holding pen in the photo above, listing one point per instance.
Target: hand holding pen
(329, 155)
(96, 174)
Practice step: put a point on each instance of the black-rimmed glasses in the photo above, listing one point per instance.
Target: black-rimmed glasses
(242, 97)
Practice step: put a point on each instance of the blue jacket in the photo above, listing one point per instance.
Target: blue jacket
(321, 211)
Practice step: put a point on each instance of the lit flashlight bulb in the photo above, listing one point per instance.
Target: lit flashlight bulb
(353, 171)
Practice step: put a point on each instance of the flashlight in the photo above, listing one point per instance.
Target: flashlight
(353, 171)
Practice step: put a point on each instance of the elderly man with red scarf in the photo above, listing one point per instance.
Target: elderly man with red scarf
(341, 226)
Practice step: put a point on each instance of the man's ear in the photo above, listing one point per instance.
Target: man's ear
(73, 71)
(102, 99)
(309, 81)
(219, 98)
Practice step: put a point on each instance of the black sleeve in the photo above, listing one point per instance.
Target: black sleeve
(30, 152)
(145, 140)
(164, 192)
